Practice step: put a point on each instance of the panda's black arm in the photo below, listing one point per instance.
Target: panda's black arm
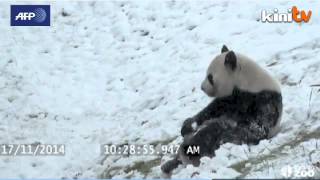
(215, 109)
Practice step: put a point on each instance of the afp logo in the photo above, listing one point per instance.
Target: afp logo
(30, 15)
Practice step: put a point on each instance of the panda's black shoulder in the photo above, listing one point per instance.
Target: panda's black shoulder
(262, 96)
(242, 100)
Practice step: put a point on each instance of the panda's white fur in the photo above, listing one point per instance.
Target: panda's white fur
(248, 76)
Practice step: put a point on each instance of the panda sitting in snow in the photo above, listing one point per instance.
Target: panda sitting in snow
(247, 108)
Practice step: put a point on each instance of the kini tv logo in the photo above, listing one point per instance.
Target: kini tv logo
(30, 15)
(294, 14)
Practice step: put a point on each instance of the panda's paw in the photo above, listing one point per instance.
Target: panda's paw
(188, 126)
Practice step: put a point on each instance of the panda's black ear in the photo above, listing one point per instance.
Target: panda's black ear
(230, 60)
(224, 49)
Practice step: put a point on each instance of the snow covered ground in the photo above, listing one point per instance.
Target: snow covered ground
(130, 72)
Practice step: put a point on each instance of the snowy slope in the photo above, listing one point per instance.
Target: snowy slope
(130, 72)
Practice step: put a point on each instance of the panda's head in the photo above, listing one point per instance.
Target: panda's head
(229, 70)
(220, 77)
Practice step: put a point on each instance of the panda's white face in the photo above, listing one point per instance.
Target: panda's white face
(219, 80)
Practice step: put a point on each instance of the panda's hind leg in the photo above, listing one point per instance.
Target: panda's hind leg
(170, 165)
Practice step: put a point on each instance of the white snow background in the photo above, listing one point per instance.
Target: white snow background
(130, 72)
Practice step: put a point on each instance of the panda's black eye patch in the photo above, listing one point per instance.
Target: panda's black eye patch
(210, 79)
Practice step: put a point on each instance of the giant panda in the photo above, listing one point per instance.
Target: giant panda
(247, 108)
